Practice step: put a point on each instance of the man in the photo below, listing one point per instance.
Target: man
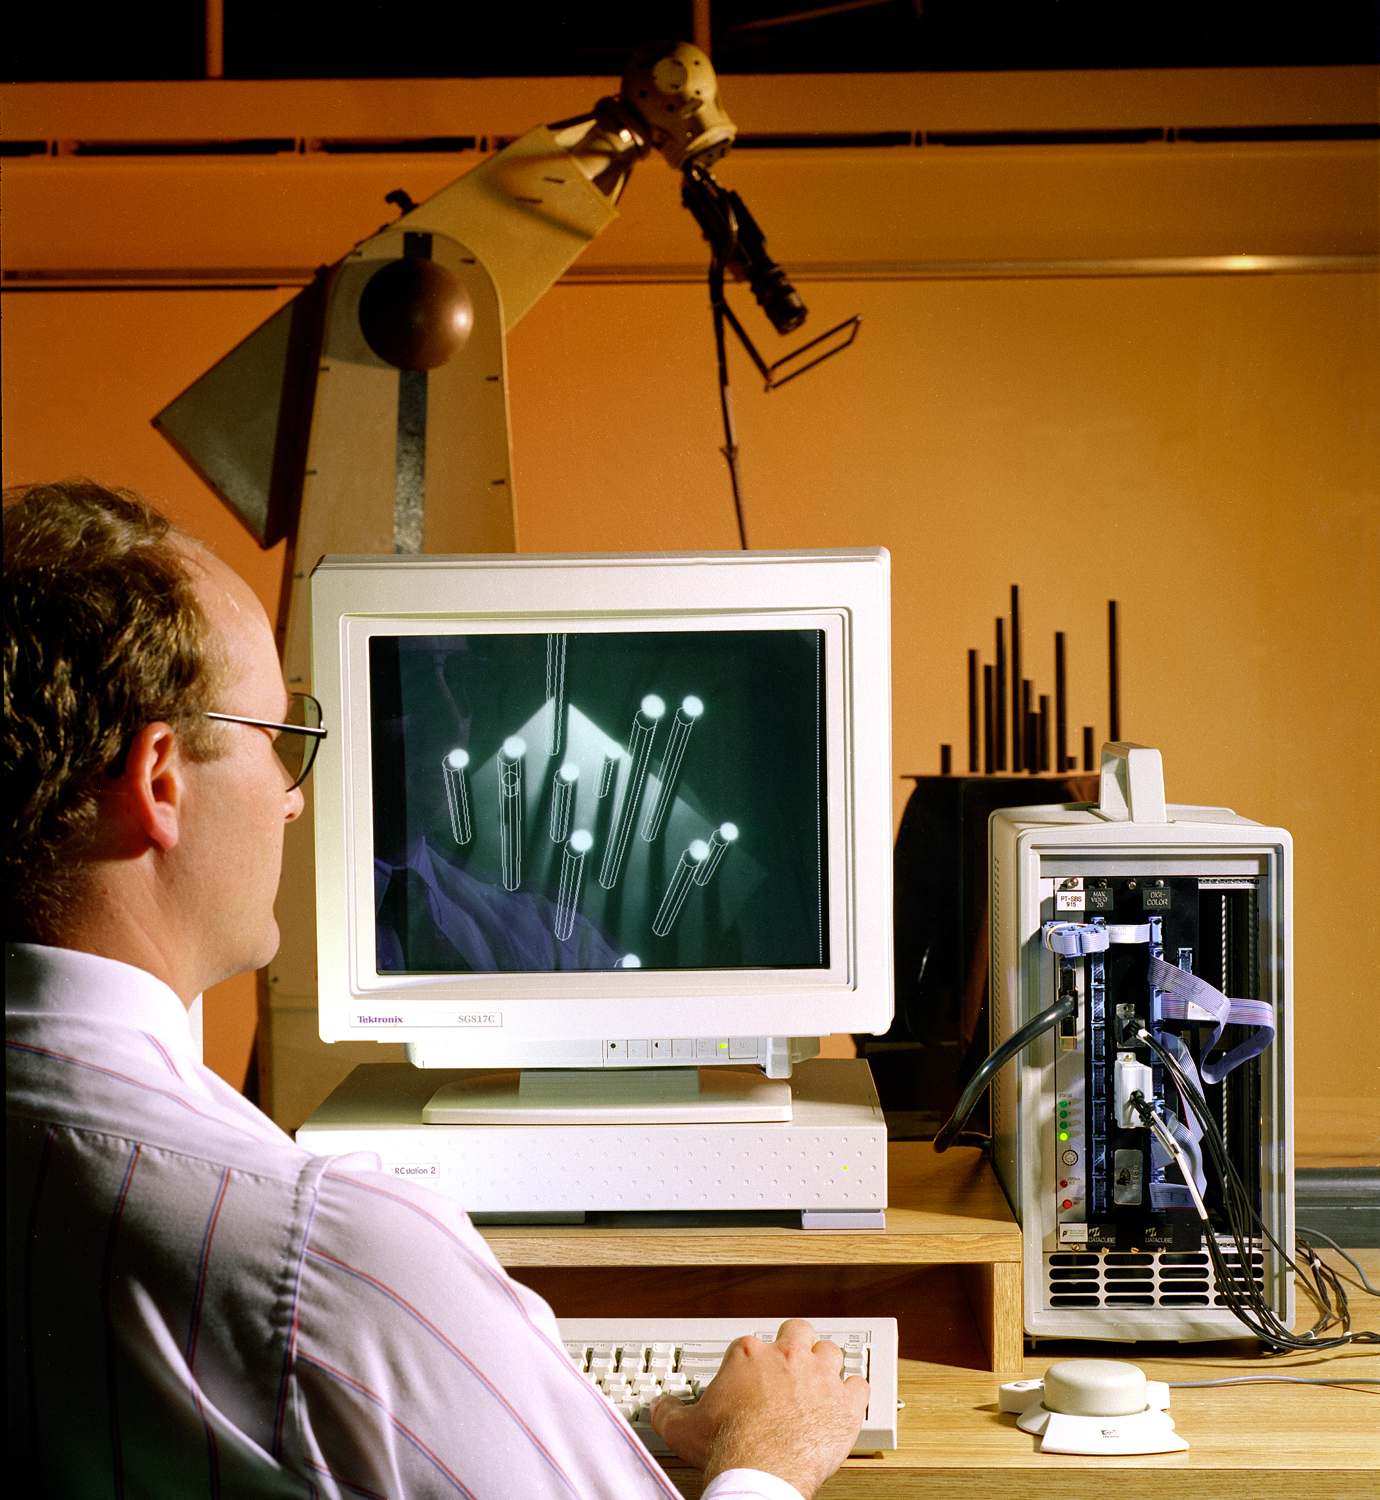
(197, 1306)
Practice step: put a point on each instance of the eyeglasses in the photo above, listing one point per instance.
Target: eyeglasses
(298, 739)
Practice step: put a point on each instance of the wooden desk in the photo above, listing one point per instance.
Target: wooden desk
(1250, 1442)
(945, 1211)
(949, 1239)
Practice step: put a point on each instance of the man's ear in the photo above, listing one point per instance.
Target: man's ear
(152, 784)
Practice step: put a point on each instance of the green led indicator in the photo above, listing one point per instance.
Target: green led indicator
(1063, 1135)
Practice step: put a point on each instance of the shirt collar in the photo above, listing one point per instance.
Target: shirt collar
(42, 981)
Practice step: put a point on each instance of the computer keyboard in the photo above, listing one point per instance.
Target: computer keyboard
(631, 1360)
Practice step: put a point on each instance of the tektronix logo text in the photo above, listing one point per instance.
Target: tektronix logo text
(423, 1019)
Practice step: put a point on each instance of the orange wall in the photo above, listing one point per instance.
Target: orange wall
(1201, 447)
(83, 373)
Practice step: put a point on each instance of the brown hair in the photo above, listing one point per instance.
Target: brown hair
(103, 635)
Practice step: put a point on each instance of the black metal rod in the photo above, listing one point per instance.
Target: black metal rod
(1113, 676)
(1017, 709)
(987, 757)
(999, 697)
(1088, 747)
(973, 712)
(1062, 762)
(730, 447)
(946, 760)
(763, 369)
(1032, 754)
(1043, 718)
(775, 382)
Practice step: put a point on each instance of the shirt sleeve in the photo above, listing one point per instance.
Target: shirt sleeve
(416, 1367)
(749, 1484)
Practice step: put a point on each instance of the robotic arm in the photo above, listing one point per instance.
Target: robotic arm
(670, 103)
(384, 382)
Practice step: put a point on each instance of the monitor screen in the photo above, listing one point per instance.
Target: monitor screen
(594, 811)
(599, 800)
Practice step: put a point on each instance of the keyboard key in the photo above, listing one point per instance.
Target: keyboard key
(631, 1359)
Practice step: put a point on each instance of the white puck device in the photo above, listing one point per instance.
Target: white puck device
(1097, 1406)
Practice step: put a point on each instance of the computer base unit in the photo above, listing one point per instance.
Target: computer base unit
(827, 1163)
(1171, 928)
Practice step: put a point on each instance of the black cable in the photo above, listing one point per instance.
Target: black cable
(1246, 1302)
(973, 1138)
(1066, 1005)
(1321, 1292)
(1306, 1234)
(1250, 1308)
(1248, 1305)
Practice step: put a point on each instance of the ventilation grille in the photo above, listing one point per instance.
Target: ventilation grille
(1164, 1278)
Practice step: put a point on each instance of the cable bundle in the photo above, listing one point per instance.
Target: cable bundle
(1241, 1292)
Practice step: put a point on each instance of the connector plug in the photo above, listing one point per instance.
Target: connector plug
(1128, 1030)
(1132, 1077)
(1161, 1131)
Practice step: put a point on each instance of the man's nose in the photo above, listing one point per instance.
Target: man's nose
(295, 803)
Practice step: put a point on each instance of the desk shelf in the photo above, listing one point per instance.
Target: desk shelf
(944, 1211)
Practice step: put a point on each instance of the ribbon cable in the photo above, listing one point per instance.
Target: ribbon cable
(1181, 996)
(1186, 997)
(1074, 939)
(1177, 995)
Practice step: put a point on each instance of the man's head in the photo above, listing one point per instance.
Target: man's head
(130, 809)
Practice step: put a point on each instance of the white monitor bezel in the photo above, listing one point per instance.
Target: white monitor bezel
(845, 594)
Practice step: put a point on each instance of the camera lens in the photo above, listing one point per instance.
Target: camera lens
(777, 297)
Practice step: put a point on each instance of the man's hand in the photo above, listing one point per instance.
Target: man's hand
(776, 1407)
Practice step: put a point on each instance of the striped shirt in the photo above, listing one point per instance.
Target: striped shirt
(197, 1306)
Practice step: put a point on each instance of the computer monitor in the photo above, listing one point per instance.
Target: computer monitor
(604, 812)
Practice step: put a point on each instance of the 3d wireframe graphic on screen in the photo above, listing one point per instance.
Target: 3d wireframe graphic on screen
(599, 800)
